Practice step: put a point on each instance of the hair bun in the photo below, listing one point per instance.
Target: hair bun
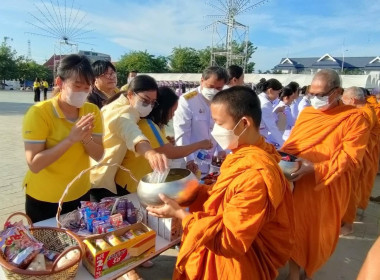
(263, 80)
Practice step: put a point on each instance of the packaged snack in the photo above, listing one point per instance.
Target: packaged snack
(18, 246)
(91, 246)
(101, 244)
(49, 254)
(113, 240)
(116, 220)
(122, 207)
(128, 235)
(38, 263)
(68, 258)
(131, 213)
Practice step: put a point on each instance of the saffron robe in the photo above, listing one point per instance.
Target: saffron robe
(245, 229)
(335, 142)
(363, 178)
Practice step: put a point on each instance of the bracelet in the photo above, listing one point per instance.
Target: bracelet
(85, 143)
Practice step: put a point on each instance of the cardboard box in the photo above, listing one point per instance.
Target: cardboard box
(105, 261)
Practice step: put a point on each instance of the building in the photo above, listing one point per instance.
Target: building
(53, 62)
(310, 65)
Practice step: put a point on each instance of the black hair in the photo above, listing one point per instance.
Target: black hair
(286, 92)
(264, 85)
(75, 65)
(166, 99)
(304, 90)
(234, 71)
(219, 72)
(100, 67)
(294, 86)
(139, 83)
(366, 91)
(240, 101)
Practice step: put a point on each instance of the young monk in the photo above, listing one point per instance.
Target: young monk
(329, 138)
(362, 188)
(241, 227)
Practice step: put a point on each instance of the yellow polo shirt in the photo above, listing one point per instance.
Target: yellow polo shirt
(121, 133)
(45, 123)
(138, 165)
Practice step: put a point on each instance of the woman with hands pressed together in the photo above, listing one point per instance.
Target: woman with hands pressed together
(60, 136)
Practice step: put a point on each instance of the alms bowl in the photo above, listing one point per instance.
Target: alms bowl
(288, 164)
(180, 185)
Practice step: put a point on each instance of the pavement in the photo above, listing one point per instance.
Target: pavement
(344, 264)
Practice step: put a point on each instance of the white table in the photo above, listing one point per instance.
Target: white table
(83, 274)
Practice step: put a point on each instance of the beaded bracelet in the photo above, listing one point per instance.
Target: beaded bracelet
(85, 143)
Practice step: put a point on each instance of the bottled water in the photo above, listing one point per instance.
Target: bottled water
(203, 160)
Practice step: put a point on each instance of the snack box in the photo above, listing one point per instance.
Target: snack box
(168, 228)
(101, 262)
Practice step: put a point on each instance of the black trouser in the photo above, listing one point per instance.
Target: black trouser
(37, 94)
(45, 93)
(98, 194)
(38, 210)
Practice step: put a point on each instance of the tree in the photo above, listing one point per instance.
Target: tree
(140, 61)
(184, 60)
(28, 69)
(8, 67)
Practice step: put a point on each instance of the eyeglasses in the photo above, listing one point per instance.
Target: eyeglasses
(322, 94)
(146, 102)
(109, 75)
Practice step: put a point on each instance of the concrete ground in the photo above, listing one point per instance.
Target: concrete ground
(343, 265)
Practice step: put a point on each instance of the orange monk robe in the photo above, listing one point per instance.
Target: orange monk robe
(335, 142)
(246, 227)
(363, 178)
(371, 159)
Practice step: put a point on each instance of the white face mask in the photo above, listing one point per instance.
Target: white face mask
(320, 103)
(143, 110)
(209, 93)
(76, 99)
(226, 138)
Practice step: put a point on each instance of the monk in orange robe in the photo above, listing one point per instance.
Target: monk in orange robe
(330, 139)
(363, 179)
(242, 227)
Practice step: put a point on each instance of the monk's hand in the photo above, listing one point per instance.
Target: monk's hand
(171, 209)
(156, 160)
(306, 167)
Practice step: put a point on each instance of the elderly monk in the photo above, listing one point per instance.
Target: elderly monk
(242, 227)
(330, 140)
(364, 178)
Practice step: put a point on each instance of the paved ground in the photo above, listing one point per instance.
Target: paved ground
(343, 265)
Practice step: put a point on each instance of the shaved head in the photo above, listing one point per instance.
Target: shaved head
(355, 93)
(329, 76)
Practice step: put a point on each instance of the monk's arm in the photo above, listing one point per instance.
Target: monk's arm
(348, 156)
(243, 217)
(202, 196)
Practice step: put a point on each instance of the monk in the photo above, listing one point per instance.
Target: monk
(363, 179)
(242, 226)
(330, 139)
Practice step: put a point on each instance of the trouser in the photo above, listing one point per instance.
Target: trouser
(38, 210)
(37, 94)
(98, 194)
(45, 93)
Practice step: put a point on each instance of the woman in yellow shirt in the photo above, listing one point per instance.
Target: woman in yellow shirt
(36, 89)
(60, 136)
(153, 128)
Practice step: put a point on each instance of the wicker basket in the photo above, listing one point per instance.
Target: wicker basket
(59, 240)
(59, 224)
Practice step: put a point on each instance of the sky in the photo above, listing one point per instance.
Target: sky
(278, 28)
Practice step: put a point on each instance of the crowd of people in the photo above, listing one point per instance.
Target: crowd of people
(250, 222)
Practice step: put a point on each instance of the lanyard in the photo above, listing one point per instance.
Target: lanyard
(155, 132)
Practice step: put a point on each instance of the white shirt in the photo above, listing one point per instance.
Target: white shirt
(289, 119)
(192, 121)
(305, 102)
(268, 126)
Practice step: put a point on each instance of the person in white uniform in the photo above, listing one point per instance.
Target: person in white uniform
(284, 112)
(305, 101)
(192, 120)
(295, 87)
(270, 90)
(235, 76)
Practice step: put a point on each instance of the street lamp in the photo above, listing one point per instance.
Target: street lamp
(343, 60)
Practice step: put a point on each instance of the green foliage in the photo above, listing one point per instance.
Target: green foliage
(8, 67)
(184, 60)
(141, 61)
(28, 69)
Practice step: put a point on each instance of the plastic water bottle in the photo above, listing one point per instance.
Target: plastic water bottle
(203, 160)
